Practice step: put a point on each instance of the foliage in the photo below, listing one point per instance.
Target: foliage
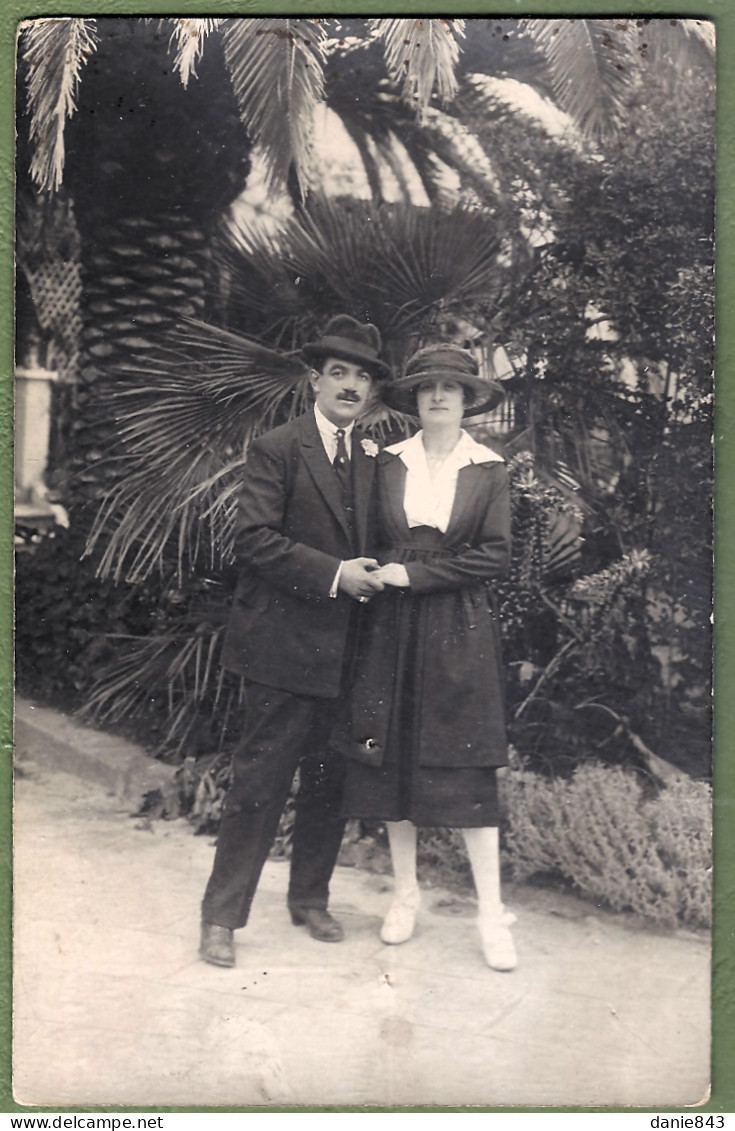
(575, 642)
(66, 618)
(439, 40)
(196, 791)
(628, 413)
(280, 70)
(279, 89)
(604, 53)
(173, 672)
(617, 842)
(56, 52)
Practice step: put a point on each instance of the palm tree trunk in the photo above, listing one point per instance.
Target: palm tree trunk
(151, 167)
(147, 274)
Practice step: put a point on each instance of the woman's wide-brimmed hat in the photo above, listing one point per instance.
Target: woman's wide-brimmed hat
(442, 362)
(346, 338)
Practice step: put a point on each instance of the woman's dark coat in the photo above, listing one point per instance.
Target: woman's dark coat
(458, 674)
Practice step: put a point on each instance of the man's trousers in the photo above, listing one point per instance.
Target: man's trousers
(283, 732)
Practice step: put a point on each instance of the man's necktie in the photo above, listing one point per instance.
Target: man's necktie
(344, 475)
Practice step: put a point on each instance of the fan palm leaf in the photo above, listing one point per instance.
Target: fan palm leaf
(400, 264)
(261, 290)
(332, 248)
(435, 263)
(395, 264)
(276, 67)
(181, 667)
(54, 52)
(185, 420)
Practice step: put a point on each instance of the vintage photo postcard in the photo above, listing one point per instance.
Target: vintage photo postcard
(363, 527)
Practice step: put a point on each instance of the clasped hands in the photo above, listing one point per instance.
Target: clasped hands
(362, 578)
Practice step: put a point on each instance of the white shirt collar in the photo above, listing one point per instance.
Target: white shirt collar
(326, 427)
(328, 433)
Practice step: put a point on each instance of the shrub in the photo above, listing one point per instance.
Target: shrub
(616, 843)
(67, 619)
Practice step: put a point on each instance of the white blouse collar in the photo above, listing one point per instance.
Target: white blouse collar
(465, 451)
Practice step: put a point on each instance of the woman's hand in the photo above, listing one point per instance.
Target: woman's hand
(393, 574)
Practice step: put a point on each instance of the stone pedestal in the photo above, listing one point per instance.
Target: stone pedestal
(32, 431)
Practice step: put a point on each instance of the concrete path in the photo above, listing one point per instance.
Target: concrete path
(112, 1005)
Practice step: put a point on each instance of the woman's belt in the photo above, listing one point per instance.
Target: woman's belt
(412, 548)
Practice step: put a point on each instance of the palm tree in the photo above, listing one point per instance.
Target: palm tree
(150, 125)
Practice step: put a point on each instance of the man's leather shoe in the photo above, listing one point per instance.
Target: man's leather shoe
(321, 924)
(217, 945)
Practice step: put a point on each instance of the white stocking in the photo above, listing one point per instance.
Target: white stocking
(484, 853)
(402, 839)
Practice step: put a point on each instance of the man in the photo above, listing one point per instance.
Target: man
(304, 526)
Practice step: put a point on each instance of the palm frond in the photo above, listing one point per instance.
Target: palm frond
(395, 162)
(189, 36)
(421, 56)
(563, 549)
(332, 247)
(358, 92)
(407, 265)
(591, 63)
(179, 667)
(54, 52)
(261, 289)
(701, 30)
(677, 44)
(369, 156)
(185, 421)
(276, 66)
(397, 265)
(461, 150)
(434, 262)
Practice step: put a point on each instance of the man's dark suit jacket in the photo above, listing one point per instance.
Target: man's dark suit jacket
(285, 630)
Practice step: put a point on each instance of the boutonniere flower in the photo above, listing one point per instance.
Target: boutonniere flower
(370, 448)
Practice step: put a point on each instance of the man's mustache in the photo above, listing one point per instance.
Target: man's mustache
(354, 397)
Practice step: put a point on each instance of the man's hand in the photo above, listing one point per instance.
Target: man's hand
(358, 578)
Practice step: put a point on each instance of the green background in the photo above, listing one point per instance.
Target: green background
(722, 12)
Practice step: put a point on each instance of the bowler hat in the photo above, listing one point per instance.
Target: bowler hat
(346, 338)
(444, 361)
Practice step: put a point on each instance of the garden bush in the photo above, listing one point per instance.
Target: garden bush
(68, 619)
(615, 838)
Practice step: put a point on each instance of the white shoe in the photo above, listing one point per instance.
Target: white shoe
(400, 921)
(497, 941)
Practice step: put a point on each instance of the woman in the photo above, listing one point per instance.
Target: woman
(427, 729)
